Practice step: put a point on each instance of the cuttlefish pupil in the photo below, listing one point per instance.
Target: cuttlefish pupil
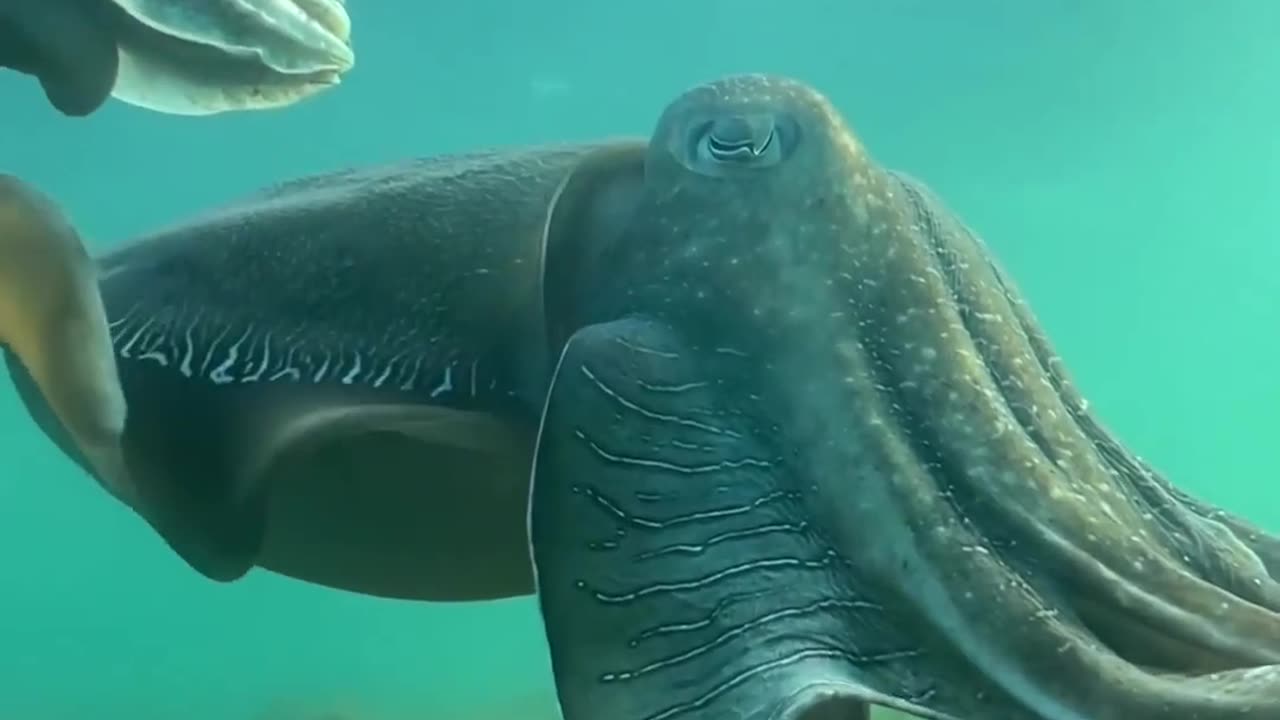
(740, 139)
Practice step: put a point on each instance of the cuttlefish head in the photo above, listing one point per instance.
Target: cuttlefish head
(810, 450)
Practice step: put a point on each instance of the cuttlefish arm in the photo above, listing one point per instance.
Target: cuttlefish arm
(68, 45)
(677, 578)
(52, 319)
(808, 450)
(1172, 560)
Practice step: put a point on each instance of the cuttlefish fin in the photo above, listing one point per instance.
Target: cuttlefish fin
(52, 323)
(66, 45)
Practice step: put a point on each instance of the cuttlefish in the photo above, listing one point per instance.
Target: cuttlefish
(187, 57)
(761, 422)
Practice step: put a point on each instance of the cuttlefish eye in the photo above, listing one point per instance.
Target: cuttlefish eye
(745, 141)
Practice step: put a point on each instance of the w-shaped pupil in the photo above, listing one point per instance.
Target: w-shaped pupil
(740, 138)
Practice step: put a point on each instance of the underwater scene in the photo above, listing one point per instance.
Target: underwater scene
(639, 360)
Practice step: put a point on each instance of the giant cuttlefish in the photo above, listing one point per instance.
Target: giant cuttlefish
(797, 445)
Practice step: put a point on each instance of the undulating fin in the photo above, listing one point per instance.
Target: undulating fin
(53, 325)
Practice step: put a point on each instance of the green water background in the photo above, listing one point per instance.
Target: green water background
(1121, 157)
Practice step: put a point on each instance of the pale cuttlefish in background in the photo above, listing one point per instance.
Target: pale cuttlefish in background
(182, 57)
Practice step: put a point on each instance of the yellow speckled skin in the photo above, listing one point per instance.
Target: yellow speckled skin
(807, 449)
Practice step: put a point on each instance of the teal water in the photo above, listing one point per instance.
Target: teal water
(1123, 164)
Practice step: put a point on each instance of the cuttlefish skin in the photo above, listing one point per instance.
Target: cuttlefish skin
(187, 57)
(338, 379)
(806, 450)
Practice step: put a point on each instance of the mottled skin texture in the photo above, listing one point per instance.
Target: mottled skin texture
(339, 379)
(806, 449)
(189, 57)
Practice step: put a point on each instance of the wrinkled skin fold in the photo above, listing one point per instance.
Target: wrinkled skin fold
(806, 450)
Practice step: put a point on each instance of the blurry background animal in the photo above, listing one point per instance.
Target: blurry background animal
(190, 57)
